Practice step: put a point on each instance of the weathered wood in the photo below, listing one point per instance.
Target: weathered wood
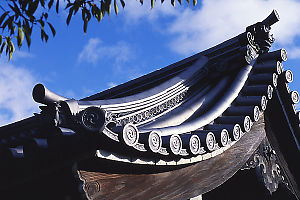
(183, 183)
(283, 135)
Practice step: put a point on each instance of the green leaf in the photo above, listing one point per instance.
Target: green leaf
(11, 49)
(99, 15)
(7, 46)
(0, 39)
(15, 8)
(24, 4)
(3, 17)
(173, 2)
(123, 3)
(83, 13)
(116, 7)
(42, 3)
(42, 23)
(44, 35)
(2, 47)
(50, 4)
(69, 5)
(152, 3)
(10, 54)
(108, 6)
(76, 8)
(27, 25)
(28, 39)
(52, 29)
(88, 15)
(27, 32)
(20, 37)
(57, 6)
(103, 8)
(85, 23)
(194, 2)
(96, 12)
(9, 23)
(70, 15)
(93, 10)
(32, 7)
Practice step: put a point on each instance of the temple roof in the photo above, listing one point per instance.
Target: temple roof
(188, 112)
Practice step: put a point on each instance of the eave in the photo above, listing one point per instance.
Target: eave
(201, 118)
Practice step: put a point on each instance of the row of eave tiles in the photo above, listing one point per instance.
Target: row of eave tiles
(237, 120)
(226, 130)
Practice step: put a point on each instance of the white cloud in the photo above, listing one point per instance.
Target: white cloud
(119, 56)
(220, 20)
(135, 12)
(293, 52)
(95, 50)
(111, 84)
(70, 94)
(15, 93)
(214, 21)
(18, 54)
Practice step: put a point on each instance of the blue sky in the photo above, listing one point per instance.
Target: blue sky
(135, 42)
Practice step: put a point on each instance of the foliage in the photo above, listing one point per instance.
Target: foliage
(21, 16)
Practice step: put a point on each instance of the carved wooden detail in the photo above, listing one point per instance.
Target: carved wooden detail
(268, 167)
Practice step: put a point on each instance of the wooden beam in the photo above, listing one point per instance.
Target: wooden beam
(183, 183)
